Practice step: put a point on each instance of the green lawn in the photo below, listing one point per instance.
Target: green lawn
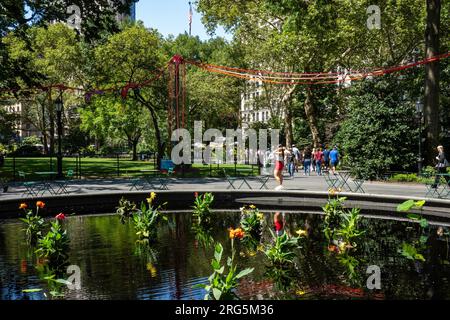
(109, 168)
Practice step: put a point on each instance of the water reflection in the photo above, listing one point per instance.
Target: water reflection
(114, 266)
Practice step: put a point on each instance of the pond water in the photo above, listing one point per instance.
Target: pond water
(114, 266)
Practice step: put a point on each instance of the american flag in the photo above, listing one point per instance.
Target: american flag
(190, 17)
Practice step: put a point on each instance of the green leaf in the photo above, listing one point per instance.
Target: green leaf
(218, 252)
(423, 239)
(423, 223)
(215, 264)
(420, 257)
(217, 293)
(221, 270)
(31, 290)
(419, 204)
(405, 206)
(413, 216)
(245, 272)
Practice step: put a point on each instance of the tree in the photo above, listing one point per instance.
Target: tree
(54, 53)
(7, 126)
(133, 56)
(432, 75)
(116, 119)
(17, 16)
(380, 132)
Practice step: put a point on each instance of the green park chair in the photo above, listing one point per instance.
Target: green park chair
(63, 185)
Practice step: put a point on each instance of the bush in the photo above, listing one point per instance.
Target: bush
(380, 130)
(405, 177)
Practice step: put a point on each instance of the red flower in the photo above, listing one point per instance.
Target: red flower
(196, 194)
(60, 216)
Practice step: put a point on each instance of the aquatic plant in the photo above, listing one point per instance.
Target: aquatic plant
(34, 223)
(126, 209)
(147, 219)
(224, 279)
(202, 210)
(252, 224)
(54, 246)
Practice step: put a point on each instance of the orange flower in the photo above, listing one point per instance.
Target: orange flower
(23, 206)
(40, 204)
(196, 194)
(236, 233)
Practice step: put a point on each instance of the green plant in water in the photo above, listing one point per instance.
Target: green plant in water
(126, 209)
(203, 235)
(413, 250)
(350, 264)
(34, 223)
(54, 246)
(224, 280)
(252, 224)
(348, 231)
(202, 211)
(333, 211)
(281, 255)
(147, 219)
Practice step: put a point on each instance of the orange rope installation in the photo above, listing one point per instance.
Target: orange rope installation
(289, 78)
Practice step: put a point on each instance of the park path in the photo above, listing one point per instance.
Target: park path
(299, 183)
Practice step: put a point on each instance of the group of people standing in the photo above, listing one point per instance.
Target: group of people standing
(292, 160)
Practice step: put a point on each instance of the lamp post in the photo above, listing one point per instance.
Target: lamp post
(59, 108)
(419, 111)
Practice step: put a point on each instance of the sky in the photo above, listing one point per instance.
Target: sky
(171, 17)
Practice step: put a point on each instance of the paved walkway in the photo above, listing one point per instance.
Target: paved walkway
(299, 182)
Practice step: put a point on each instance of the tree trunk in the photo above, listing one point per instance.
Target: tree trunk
(288, 126)
(44, 130)
(52, 131)
(312, 118)
(431, 110)
(135, 143)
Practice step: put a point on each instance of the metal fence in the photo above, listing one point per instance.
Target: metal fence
(110, 166)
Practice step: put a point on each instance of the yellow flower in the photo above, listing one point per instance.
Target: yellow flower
(152, 197)
(252, 253)
(332, 192)
(342, 246)
(300, 292)
(260, 248)
(260, 216)
(302, 233)
(152, 269)
(252, 206)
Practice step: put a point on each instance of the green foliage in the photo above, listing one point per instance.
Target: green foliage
(252, 224)
(351, 265)
(348, 230)
(379, 133)
(333, 210)
(281, 256)
(405, 177)
(34, 225)
(202, 211)
(224, 280)
(54, 246)
(126, 209)
(414, 250)
(147, 219)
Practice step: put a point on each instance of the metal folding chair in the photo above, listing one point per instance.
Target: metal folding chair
(359, 185)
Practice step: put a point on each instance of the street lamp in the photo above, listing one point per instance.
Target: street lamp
(419, 111)
(59, 108)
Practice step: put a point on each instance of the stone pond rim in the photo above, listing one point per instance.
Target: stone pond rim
(98, 203)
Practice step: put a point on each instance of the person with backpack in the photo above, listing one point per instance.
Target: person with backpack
(326, 158)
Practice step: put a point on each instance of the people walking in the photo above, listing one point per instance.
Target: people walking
(326, 159)
(318, 157)
(307, 157)
(279, 166)
(290, 162)
(313, 159)
(334, 159)
(441, 167)
(297, 155)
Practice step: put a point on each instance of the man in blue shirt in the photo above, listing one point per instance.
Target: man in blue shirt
(334, 159)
